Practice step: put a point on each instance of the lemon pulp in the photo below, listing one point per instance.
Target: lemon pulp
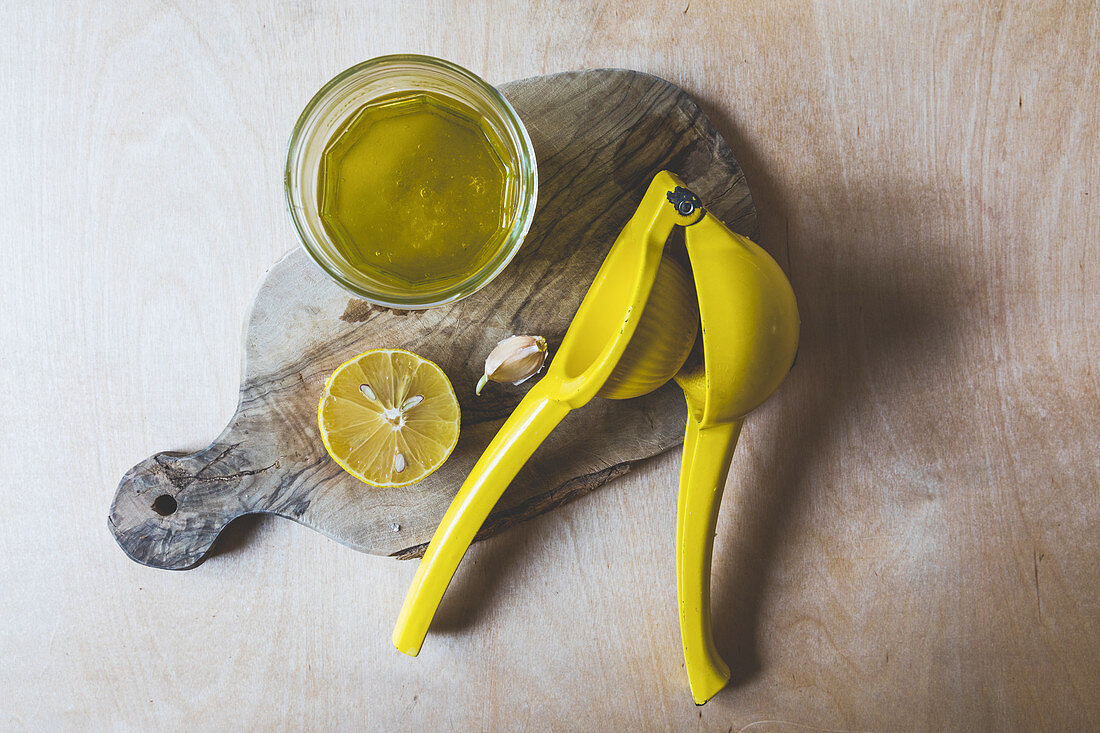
(389, 417)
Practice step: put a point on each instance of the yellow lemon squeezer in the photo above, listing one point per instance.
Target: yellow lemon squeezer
(633, 332)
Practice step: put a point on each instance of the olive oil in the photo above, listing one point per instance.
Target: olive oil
(415, 191)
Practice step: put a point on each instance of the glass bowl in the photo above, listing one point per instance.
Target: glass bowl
(350, 91)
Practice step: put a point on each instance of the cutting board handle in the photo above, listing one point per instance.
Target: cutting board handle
(170, 508)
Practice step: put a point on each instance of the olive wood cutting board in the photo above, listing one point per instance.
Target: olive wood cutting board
(599, 137)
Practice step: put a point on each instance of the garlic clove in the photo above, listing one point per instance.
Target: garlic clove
(515, 359)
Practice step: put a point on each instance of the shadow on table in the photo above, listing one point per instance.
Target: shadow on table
(867, 309)
(238, 534)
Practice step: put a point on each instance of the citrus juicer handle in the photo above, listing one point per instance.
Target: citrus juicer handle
(596, 339)
(706, 463)
(528, 425)
(750, 336)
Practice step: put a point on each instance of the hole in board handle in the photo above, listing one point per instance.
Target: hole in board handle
(165, 504)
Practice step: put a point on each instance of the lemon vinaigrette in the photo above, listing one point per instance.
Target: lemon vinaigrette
(411, 181)
(414, 190)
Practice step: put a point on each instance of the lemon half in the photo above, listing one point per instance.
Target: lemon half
(389, 417)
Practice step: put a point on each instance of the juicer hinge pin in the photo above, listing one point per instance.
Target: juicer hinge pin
(686, 202)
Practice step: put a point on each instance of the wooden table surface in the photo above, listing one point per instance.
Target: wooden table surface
(909, 536)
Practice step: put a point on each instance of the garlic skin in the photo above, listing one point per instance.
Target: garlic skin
(515, 359)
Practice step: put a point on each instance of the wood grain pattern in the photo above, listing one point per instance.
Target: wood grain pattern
(908, 538)
(599, 136)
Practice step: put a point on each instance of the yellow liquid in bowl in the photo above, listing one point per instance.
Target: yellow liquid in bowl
(416, 191)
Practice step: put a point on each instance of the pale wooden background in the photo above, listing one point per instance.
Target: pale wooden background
(909, 539)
